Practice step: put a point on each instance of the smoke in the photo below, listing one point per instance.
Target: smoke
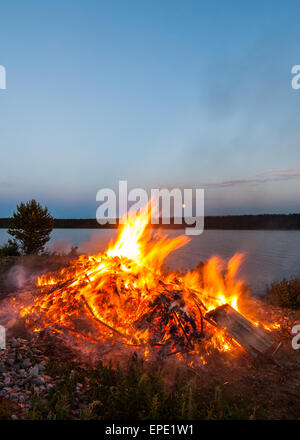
(60, 247)
(14, 295)
(10, 308)
(98, 242)
(17, 276)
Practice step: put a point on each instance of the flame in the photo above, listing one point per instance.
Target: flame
(109, 296)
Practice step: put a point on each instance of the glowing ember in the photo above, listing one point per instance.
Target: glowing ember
(125, 295)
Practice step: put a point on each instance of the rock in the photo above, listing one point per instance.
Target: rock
(34, 371)
(21, 398)
(14, 417)
(42, 367)
(38, 381)
(26, 363)
(26, 380)
(14, 343)
(36, 351)
(6, 381)
(23, 341)
(49, 387)
(47, 378)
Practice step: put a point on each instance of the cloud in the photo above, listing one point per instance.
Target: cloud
(268, 176)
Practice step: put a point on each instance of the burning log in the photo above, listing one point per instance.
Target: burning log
(254, 340)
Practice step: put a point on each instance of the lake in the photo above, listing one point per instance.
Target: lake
(269, 255)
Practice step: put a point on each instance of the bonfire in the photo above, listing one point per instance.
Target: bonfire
(126, 296)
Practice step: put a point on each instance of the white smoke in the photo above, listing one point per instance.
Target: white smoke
(18, 276)
(60, 247)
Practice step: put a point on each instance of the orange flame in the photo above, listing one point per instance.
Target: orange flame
(111, 293)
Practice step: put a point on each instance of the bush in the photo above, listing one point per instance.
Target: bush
(285, 293)
(10, 249)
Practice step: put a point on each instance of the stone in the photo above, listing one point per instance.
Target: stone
(15, 344)
(6, 381)
(26, 363)
(38, 381)
(21, 399)
(42, 367)
(49, 387)
(34, 371)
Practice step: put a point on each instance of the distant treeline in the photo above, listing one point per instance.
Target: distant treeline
(263, 221)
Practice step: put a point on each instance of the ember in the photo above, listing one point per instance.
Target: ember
(124, 296)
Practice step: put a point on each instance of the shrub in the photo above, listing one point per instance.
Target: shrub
(10, 249)
(285, 293)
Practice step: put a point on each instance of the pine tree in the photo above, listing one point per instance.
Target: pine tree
(31, 226)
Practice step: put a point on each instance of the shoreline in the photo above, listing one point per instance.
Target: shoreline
(280, 222)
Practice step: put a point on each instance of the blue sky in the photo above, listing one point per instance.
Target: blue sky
(159, 93)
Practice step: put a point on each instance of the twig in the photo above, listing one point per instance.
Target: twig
(101, 322)
(60, 285)
(195, 298)
(180, 323)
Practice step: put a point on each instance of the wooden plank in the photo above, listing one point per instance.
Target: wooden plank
(254, 340)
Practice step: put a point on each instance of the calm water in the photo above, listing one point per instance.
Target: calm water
(269, 255)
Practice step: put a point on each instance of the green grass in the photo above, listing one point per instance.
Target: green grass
(138, 391)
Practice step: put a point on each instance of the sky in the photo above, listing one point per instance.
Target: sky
(158, 93)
